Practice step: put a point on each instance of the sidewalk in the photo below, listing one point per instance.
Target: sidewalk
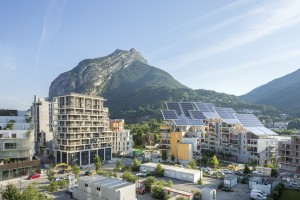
(14, 181)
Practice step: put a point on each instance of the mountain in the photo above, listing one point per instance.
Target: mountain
(135, 90)
(282, 93)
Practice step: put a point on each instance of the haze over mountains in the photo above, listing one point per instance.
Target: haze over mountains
(135, 90)
(282, 93)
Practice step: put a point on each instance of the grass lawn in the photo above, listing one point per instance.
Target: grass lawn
(290, 195)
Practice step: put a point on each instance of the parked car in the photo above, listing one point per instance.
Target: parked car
(257, 196)
(180, 166)
(87, 173)
(293, 184)
(226, 171)
(140, 191)
(256, 173)
(260, 192)
(56, 179)
(239, 173)
(219, 173)
(34, 176)
(143, 173)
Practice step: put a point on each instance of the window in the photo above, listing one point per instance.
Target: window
(86, 185)
(14, 135)
(1, 135)
(10, 145)
(98, 189)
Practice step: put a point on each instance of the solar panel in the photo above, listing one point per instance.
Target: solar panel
(248, 120)
(197, 114)
(210, 106)
(169, 114)
(174, 106)
(223, 113)
(230, 111)
(202, 107)
(186, 107)
(196, 122)
(181, 121)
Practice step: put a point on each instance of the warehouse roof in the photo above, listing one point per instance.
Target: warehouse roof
(173, 168)
(105, 181)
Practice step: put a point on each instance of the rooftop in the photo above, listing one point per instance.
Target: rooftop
(105, 181)
(169, 167)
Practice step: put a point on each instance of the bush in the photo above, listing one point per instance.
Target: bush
(157, 191)
(135, 166)
(159, 171)
(200, 182)
(148, 182)
(129, 177)
(53, 186)
(62, 184)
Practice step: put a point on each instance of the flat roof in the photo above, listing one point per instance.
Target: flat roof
(230, 177)
(105, 181)
(168, 167)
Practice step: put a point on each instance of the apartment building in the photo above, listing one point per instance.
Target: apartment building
(16, 145)
(289, 153)
(238, 137)
(41, 111)
(121, 138)
(81, 129)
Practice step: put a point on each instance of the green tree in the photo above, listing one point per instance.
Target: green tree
(6, 160)
(204, 160)
(181, 198)
(200, 182)
(172, 158)
(197, 194)
(148, 183)
(97, 163)
(246, 169)
(129, 177)
(164, 155)
(214, 161)
(157, 191)
(169, 183)
(159, 171)
(30, 193)
(118, 165)
(75, 171)
(274, 172)
(135, 166)
(192, 164)
(11, 193)
(294, 124)
(50, 174)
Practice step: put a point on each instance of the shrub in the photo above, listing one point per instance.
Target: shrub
(159, 171)
(200, 182)
(53, 186)
(148, 182)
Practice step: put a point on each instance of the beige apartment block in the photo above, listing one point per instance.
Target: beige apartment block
(81, 129)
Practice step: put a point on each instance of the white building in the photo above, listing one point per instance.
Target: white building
(41, 118)
(180, 173)
(81, 129)
(103, 188)
(121, 138)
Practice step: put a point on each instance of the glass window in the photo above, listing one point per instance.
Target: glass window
(10, 145)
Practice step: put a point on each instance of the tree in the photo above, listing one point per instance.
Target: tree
(11, 192)
(157, 191)
(169, 183)
(192, 164)
(50, 174)
(197, 194)
(274, 172)
(118, 165)
(97, 163)
(172, 158)
(204, 160)
(6, 160)
(75, 171)
(246, 169)
(214, 161)
(148, 183)
(200, 182)
(164, 155)
(30, 193)
(129, 177)
(135, 166)
(159, 171)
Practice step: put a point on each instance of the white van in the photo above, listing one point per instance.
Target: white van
(257, 196)
(260, 192)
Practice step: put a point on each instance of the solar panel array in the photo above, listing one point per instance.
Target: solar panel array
(224, 113)
(186, 107)
(169, 114)
(202, 107)
(174, 106)
(210, 106)
(185, 121)
(248, 120)
(197, 114)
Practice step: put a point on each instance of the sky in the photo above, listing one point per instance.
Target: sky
(222, 45)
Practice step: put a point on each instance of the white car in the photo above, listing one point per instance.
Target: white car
(259, 192)
(226, 171)
(256, 173)
(257, 196)
(56, 179)
(142, 173)
(180, 166)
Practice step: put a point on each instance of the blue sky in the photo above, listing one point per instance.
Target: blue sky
(227, 46)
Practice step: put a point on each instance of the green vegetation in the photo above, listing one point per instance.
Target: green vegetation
(129, 177)
(276, 192)
(9, 125)
(157, 191)
(200, 182)
(246, 169)
(28, 134)
(6, 160)
(148, 182)
(164, 155)
(159, 171)
(30, 193)
(97, 163)
(135, 166)
(192, 164)
(214, 161)
(286, 131)
(294, 124)
(75, 171)
(50, 174)
(197, 194)
(118, 165)
(290, 195)
(181, 198)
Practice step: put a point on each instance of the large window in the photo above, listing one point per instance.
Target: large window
(101, 154)
(84, 158)
(108, 154)
(10, 145)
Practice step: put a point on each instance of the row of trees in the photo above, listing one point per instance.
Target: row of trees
(31, 192)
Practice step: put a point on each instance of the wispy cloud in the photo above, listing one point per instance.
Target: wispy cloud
(269, 19)
(51, 22)
(7, 60)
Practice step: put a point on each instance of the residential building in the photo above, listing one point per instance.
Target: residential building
(233, 136)
(103, 188)
(16, 145)
(41, 110)
(121, 138)
(81, 129)
(289, 153)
